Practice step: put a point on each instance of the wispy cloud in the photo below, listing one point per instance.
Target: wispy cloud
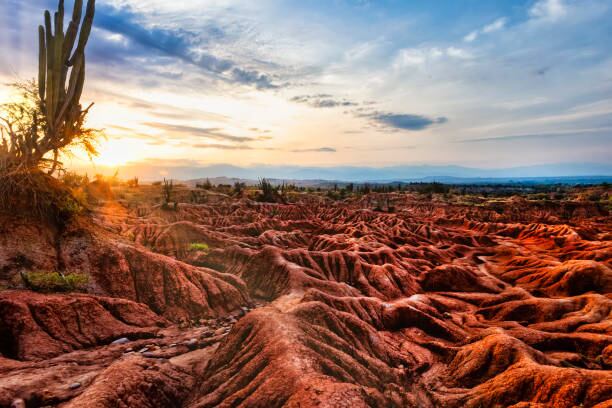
(323, 101)
(415, 57)
(314, 150)
(221, 147)
(247, 147)
(550, 10)
(131, 34)
(572, 133)
(212, 133)
(496, 25)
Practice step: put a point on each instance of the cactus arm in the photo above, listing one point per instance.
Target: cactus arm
(81, 80)
(42, 63)
(75, 87)
(49, 68)
(85, 30)
(73, 29)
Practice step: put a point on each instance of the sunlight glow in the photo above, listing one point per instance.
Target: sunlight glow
(115, 152)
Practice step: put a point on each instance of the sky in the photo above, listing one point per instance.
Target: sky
(488, 84)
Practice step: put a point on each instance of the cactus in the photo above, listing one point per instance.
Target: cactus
(59, 61)
(167, 192)
(33, 132)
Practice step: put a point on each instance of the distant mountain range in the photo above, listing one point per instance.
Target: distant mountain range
(546, 173)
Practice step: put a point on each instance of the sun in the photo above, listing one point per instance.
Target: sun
(118, 152)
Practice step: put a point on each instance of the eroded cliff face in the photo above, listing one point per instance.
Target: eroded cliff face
(317, 304)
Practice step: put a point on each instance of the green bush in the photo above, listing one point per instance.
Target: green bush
(198, 246)
(54, 281)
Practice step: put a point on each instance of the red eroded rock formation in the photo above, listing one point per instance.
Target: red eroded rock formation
(431, 305)
(119, 268)
(37, 326)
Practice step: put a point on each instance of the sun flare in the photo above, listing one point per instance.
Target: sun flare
(118, 152)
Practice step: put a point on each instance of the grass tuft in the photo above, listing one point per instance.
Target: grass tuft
(50, 282)
(198, 246)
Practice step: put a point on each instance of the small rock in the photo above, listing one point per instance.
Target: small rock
(144, 349)
(18, 403)
(122, 340)
(219, 332)
(208, 333)
(74, 385)
(148, 354)
(191, 343)
(172, 345)
(244, 308)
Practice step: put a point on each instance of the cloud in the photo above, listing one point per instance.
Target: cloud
(323, 101)
(411, 57)
(318, 149)
(403, 121)
(260, 81)
(538, 136)
(496, 25)
(471, 36)
(212, 133)
(246, 147)
(177, 43)
(549, 10)
(221, 147)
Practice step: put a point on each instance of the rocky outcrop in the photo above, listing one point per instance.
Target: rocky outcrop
(36, 326)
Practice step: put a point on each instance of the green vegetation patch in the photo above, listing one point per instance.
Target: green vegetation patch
(198, 246)
(49, 282)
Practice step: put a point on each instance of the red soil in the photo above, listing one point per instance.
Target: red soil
(432, 305)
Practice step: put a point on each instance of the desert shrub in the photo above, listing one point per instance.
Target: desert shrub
(74, 180)
(239, 187)
(207, 185)
(198, 247)
(269, 193)
(55, 281)
(133, 183)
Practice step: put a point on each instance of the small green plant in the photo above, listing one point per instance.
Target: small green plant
(198, 247)
(55, 281)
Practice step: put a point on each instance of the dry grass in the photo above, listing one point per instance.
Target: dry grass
(33, 193)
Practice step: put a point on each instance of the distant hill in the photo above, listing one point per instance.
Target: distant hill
(228, 174)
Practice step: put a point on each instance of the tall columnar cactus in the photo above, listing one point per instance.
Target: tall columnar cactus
(61, 74)
(50, 118)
